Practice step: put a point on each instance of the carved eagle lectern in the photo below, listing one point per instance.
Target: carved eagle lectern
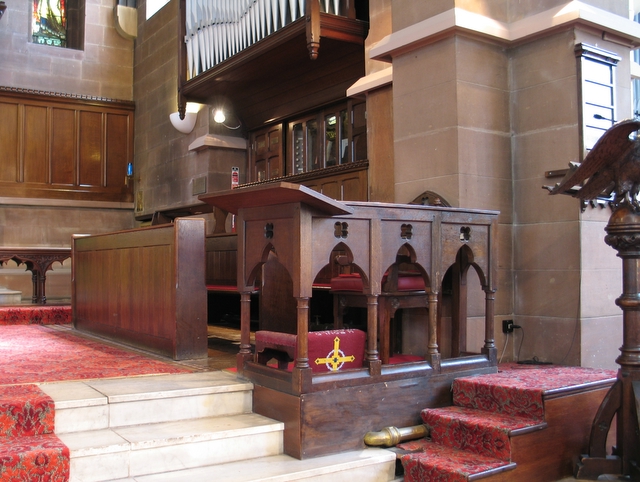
(611, 168)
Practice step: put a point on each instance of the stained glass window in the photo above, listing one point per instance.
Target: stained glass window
(49, 23)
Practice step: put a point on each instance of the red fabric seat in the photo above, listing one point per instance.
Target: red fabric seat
(329, 351)
(408, 281)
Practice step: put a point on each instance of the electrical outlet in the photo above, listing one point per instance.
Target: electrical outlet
(507, 326)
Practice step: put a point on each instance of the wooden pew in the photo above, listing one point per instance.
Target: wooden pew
(144, 288)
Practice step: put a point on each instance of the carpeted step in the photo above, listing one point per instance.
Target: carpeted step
(478, 431)
(25, 410)
(29, 450)
(520, 389)
(34, 458)
(426, 461)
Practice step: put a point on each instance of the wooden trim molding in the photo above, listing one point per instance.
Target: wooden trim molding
(65, 97)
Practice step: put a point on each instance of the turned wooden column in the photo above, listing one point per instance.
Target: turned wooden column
(244, 354)
(433, 355)
(301, 376)
(372, 357)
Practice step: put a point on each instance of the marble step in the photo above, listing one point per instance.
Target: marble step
(135, 450)
(369, 465)
(120, 402)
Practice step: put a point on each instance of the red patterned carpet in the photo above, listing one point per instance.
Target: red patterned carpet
(519, 389)
(473, 436)
(35, 315)
(29, 450)
(34, 353)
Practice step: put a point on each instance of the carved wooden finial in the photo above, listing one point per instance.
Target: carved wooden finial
(312, 9)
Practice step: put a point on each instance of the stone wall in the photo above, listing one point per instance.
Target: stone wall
(166, 168)
(480, 121)
(37, 223)
(103, 69)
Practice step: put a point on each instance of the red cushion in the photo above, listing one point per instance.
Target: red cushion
(346, 282)
(410, 282)
(353, 282)
(230, 288)
(323, 358)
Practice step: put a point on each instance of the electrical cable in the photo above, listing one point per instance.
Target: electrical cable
(504, 348)
(521, 340)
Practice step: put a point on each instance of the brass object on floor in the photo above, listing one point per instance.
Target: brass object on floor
(391, 436)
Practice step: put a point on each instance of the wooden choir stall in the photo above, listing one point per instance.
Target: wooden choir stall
(326, 405)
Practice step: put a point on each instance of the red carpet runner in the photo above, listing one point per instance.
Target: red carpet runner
(474, 435)
(29, 450)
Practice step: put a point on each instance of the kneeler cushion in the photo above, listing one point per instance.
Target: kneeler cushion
(334, 350)
(329, 351)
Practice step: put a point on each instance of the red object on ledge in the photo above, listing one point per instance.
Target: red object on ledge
(329, 351)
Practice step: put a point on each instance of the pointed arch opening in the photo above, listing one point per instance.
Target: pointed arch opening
(404, 335)
(462, 307)
(340, 266)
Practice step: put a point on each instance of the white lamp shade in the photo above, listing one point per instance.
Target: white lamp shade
(185, 125)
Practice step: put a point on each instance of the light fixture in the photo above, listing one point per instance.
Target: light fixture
(219, 117)
(187, 124)
(3, 7)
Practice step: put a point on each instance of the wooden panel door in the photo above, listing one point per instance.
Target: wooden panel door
(267, 154)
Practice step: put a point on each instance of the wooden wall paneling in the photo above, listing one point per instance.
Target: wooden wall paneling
(348, 186)
(63, 152)
(117, 149)
(35, 161)
(331, 189)
(222, 254)
(9, 142)
(91, 160)
(65, 147)
(354, 186)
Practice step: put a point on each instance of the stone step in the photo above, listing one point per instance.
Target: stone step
(110, 403)
(370, 465)
(134, 450)
(195, 427)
